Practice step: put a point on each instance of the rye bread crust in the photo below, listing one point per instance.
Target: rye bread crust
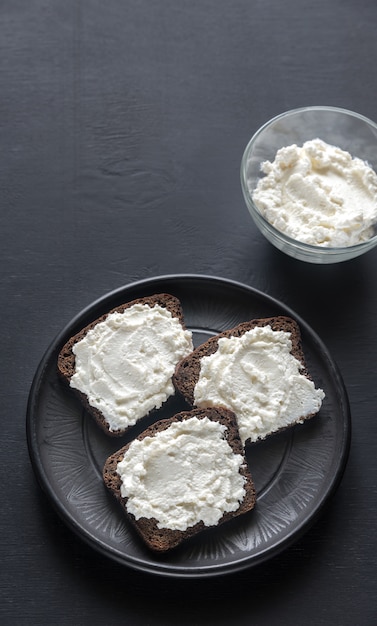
(188, 369)
(66, 357)
(164, 539)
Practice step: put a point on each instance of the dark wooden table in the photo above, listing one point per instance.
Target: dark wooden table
(122, 129)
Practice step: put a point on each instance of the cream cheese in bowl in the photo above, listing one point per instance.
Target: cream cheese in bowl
(309, 181)
(319, 194)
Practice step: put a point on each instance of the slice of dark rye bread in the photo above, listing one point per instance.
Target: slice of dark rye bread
(66, 357)
(188, 369)
(164, 539)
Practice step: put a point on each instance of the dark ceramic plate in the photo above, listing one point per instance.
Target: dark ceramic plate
(295, 472)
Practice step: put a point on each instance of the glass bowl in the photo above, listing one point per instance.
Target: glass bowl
(349, 131)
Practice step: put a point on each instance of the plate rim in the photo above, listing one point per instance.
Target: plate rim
(172, 570)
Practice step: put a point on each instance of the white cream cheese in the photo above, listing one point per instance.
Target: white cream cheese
(258, 378)
(184, 474)
(125, 364)
(318, 194)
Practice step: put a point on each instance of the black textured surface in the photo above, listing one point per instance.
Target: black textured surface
(122, 127)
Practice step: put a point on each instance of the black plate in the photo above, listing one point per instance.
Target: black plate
(295, 472)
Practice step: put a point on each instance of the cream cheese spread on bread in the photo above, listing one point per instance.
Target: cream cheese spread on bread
(182, 475)
(256, 376)
(124, 364)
